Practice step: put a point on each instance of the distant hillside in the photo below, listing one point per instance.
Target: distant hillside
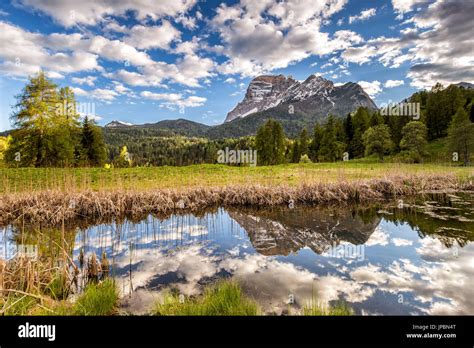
(181, 127)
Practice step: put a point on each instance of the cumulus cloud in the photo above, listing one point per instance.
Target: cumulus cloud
(371, 88)
(267, 35)
(438, 44)
(444, 49)
(401, 242)
(393, 83)
(102, 94)
(404, 6)
(91, 12)
(175, 99)
(23, 54)
(155, 36)
(87, 80)
(364, 15)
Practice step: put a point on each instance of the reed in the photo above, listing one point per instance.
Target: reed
(41, 287)
(54, 206)
(28, 284)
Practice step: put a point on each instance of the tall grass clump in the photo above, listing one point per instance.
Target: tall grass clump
(315, 308)
(42, 286)
(98, 299)
(226, 298)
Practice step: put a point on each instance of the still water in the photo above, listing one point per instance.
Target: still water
(393, 258)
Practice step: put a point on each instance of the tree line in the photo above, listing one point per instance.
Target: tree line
(49, 132)
(364, 134)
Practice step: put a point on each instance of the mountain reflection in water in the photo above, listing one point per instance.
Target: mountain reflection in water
(413, 258)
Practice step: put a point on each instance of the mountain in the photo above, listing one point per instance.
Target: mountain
(263, 92)
(117, 124)
(281, 232)
(315, 97)
(466, 85)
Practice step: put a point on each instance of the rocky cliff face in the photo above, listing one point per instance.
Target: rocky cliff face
(264, 92)
(282, 232)
(314, 96)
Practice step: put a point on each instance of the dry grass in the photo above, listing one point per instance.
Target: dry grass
(55, 206)
(42, 285)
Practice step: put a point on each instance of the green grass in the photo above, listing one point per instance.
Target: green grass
(17, 180)
(317, 309)
(18, 305)
(97, 299)
(224, 299)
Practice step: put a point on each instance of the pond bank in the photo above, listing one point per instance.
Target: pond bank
(55, 207)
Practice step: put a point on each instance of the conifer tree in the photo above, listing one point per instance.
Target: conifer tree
(461, 135)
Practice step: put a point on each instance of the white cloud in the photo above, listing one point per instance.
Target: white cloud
(443, 52)
(103, 94)
(175, 99)
(439, 44)
(113, 26)
(404, 6)
(118, 51)
(120, 88)
(157, 36)
(379, 237)
(364, 15)
(359, 55)
(230, 80)
(393, 83)
(186, 21)
(87, 80)
(106, 95)
(267, 35)
(91, 12)
(371, 88)
(79, 91)
(24, 55)
(401, 242)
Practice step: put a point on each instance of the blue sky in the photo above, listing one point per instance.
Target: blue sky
(193, 59)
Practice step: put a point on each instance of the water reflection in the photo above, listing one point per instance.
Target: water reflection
(414, 258)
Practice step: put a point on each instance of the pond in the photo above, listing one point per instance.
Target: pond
(404, 257)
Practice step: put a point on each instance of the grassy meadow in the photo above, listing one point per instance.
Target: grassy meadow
(24, 180)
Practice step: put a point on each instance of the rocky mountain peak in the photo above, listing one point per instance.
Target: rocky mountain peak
(315, 95)
(263, 92)
(117, 124)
